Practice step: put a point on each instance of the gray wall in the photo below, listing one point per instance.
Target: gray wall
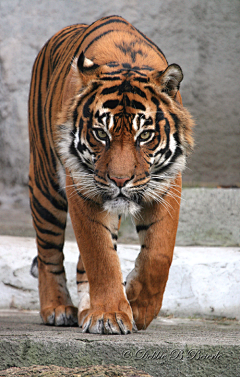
(202, 36)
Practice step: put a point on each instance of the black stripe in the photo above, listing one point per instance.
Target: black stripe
(49, 245)
(140, 228)
(58, 272)
(167, 132)
(141, 79)
(137, 105)
(111, 104)
(38, 123)
(112, 89)
(47, 263)
(37, 219)
(75, 117)
(151, 90)
(159, 115)
(71, 32)
(46, 215)
(113, 64)
(110, 21)
(34, 215)
(176, 120)
(81, 147)
(139, 92)
(86, 111)
(98, 222)
(178, 152)
(47, 231)
(73, 151)
(81, 271)
(82, 281)
(114, 78)
(83, 196)
(98, 37)
(124, 87)
(167, 155)
(147, 174)
(151, 44)
(45, 192)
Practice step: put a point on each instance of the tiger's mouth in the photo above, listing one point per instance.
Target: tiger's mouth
(122, 196)
(121, 200)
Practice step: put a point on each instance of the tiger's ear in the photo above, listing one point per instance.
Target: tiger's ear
(81, 72)
(169, 80)
(87, 68)
(85, 65)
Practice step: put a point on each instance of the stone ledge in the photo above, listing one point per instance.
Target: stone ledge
(169, 347)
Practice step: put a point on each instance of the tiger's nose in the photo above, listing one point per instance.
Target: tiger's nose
(120, 181)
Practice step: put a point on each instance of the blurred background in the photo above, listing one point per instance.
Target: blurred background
(202, 36)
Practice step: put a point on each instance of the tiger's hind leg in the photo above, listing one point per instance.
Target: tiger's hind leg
(49, 209)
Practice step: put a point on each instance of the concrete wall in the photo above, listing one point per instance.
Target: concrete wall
(202, 36)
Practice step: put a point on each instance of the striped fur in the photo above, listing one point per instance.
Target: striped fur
(108, 135)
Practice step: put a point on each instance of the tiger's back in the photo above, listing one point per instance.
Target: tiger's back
(105, 121)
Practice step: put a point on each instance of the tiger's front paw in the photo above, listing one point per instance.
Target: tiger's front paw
(145, 305)
(100, 322)
(60, 316)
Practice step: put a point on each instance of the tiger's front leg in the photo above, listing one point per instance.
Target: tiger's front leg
(95, 230)
(157, 228)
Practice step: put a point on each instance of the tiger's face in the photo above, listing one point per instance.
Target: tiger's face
(123, 136)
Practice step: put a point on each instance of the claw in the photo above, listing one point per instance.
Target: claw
(86, 326)
(135, 329)
(107, 328)
(100, 327)
(122, 327)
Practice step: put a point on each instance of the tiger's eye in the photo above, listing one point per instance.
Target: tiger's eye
(101, 134)
(145, 135)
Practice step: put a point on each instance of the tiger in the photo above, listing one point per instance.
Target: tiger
(109, 136)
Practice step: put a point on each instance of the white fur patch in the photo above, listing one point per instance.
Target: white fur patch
(134, 123)
(111, 123)
(87, 63)
(84, 301)
(121, 206)
(61, 176)
(83, 295)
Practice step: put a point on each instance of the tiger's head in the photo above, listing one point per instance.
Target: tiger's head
(123, 133)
